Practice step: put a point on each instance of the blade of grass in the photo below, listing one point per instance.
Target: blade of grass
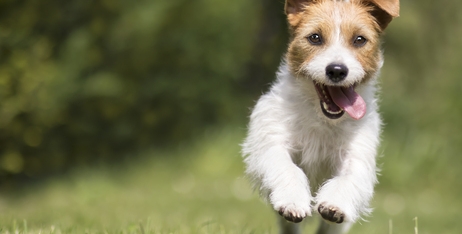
(390, 226)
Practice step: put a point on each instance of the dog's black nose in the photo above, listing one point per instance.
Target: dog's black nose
(336, 72)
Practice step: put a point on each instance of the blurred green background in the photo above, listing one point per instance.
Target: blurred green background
(122, 116)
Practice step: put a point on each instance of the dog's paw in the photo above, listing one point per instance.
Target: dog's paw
(331, 213)
(293, 213)
(292, 201)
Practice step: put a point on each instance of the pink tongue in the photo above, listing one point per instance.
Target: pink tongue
(348, 100)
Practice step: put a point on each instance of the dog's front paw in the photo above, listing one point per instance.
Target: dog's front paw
(293, 213)
(294, 206)
(331, 213)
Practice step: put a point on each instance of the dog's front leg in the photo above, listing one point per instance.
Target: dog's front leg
(283, 182)
(346, 196)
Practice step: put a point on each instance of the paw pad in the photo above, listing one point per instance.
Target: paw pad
(331, 213)
(291, 214)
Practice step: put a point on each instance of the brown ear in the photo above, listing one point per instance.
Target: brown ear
(293, 7)
(384, 11)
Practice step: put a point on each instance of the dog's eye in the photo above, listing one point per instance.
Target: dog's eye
(315, 39)
(359, 41)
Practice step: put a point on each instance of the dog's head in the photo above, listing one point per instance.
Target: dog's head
(336, 44)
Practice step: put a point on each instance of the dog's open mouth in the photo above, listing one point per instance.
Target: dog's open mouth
(336, 100)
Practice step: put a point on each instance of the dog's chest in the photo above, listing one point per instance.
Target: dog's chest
(319, 150)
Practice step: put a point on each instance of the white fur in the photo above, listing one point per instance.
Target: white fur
(294, 152)
(338, 54)
(299, 159)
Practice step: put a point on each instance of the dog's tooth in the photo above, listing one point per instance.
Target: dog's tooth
(326, 107)
(334, 113)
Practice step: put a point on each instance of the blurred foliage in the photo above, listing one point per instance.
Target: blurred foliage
(86, 81)
(421, 105)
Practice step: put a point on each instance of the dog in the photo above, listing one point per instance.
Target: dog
(312, 139)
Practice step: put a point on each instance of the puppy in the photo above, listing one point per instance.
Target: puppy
(313, 138)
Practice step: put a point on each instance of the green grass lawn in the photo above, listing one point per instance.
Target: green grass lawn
(199, 188)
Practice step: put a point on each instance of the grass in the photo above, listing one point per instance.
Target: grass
(199, 188)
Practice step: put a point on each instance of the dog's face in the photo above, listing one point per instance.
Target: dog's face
(336, 45)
